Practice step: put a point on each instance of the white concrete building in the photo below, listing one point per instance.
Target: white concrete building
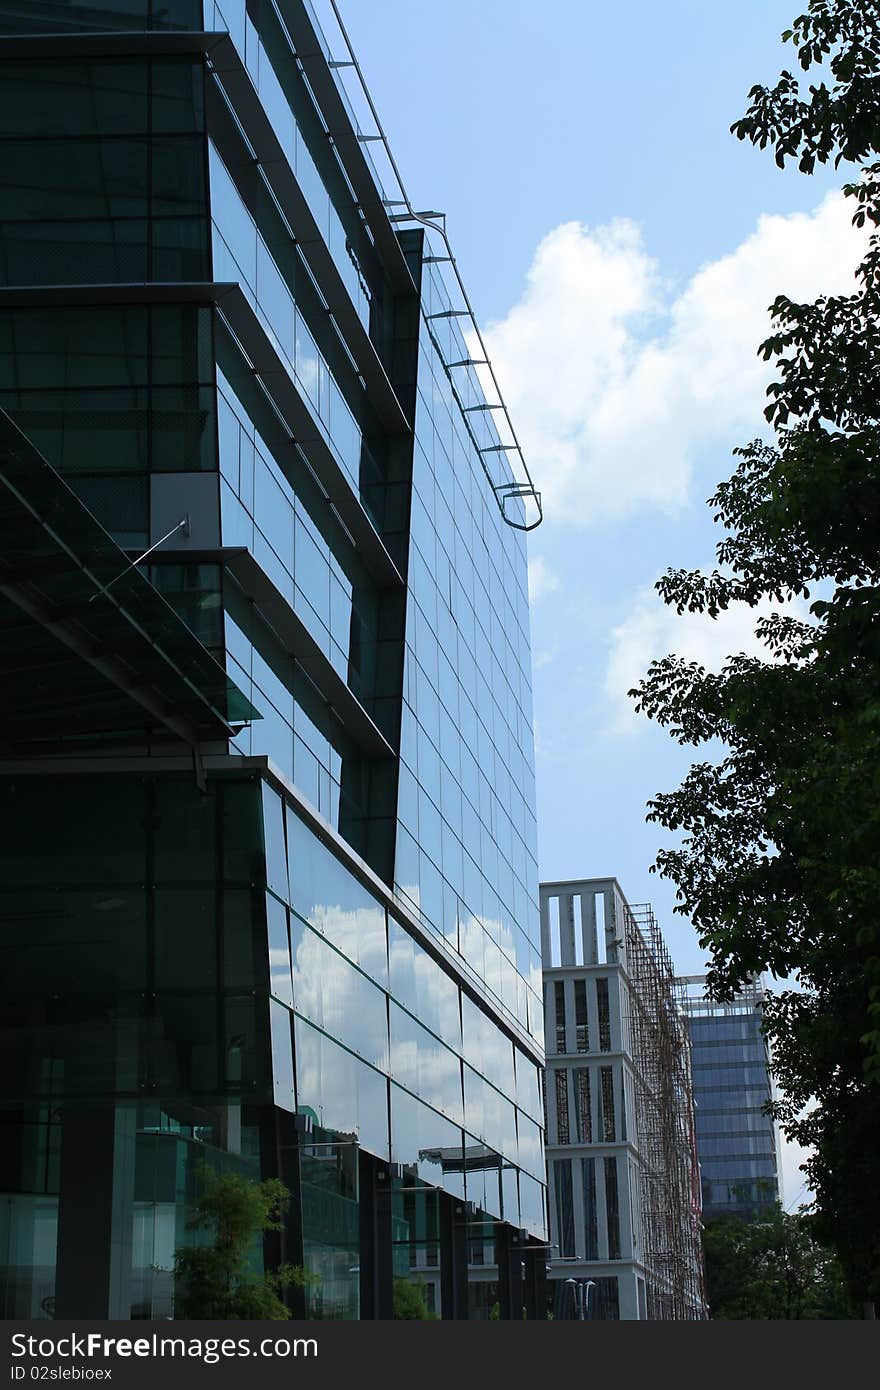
(623, 1192)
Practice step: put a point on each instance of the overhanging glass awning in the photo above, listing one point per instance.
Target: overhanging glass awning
(90, 647)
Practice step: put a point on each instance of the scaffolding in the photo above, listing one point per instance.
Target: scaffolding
(670, 1184)
(698, 1003)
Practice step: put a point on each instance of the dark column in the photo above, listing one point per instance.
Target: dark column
(453, 1258)
(509, 1257)
(93, 1278)
(279, 1146)
(535, 1282)
(377, 1293)
(503, 1262)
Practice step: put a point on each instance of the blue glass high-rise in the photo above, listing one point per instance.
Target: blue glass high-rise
(737, 1142)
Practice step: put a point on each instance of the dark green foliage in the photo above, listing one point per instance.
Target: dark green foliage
(216, 1280)
(772, 1268)
(779, 858)
(409, 1302)
(839, 121)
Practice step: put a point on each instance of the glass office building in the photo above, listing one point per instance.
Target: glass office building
(269, 881)
(737, 1143)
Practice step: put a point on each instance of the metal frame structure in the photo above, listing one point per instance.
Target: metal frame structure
(56, 562)
(631, 1041)
(665, 1120)
(522, 490)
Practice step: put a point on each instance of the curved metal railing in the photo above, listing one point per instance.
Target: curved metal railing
(520, 495)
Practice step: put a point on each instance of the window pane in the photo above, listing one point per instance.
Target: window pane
(331, 993)
(332, 900)
(340, 1092)
(429, 1146)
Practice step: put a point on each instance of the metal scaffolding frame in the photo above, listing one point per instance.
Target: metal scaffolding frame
(670, 1195)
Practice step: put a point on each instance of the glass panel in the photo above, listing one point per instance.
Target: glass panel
(528, 1088)
(276, 852)
(331, 899)
(331, 1227)
(416, 1251)
(531, 1146)
(532, 1206)
(106, 14)
(74, 347)
(489, 1115)
(279, 951)
(185, 840)
(243, 830)
(423, 986)
(282, 1057)
(333, 994)
(486, 1047)
(74, 98)
(339, 1091)
(424, 1065)
(185, 938)
(244, 945)
(106, 179)
(428, 1146)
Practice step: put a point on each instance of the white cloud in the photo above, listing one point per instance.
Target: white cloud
(542, 580)
(652, 630)
(545, 656)
(615, 383)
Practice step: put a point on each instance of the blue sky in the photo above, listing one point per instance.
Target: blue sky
(620, 248)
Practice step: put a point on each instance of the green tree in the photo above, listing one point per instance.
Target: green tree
(216, 1280)
(409, 1302)
(778, 861)
(772, 1268)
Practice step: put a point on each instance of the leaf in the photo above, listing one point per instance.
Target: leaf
(777, 856)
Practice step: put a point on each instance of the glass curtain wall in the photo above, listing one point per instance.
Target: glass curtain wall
(103, 179)
(203, 967)
(165, 975)
(103, 172)
(114, 15)
(134, 1027)
(736, 1142)
(466, 832)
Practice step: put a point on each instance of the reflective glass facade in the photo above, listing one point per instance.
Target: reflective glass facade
(302, 944)
(466, 837)
(737, 1143)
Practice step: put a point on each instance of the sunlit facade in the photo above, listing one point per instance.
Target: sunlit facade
(621, 1156)
(268, 795)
